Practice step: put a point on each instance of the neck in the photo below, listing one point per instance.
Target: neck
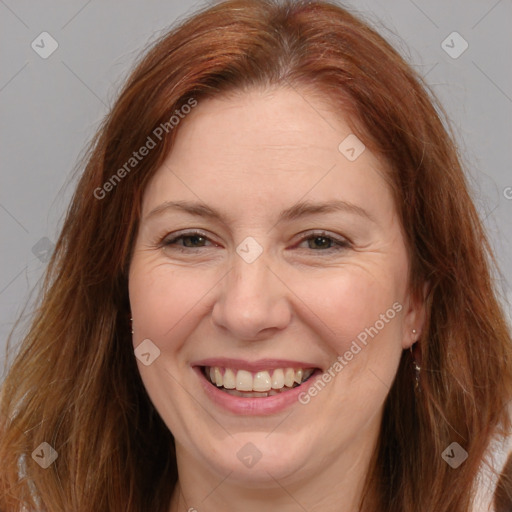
(334, 485)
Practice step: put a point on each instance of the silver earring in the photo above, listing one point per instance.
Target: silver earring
(131, 324)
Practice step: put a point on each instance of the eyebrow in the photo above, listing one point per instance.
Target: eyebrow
(298, 210)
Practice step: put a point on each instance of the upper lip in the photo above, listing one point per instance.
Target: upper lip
(253, 366)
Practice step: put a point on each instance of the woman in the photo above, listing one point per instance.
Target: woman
(272, 289)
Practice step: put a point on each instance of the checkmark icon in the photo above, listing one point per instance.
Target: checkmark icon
(146, 352)
(351, 151)
(43, 249)
(249, 250)
(45, 455)
(454, 45)
(44, 45)
(249, 455)
(351, 147)
(454, 455)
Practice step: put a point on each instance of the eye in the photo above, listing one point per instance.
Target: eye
(324, 242)
(190, 240)
(316, 241)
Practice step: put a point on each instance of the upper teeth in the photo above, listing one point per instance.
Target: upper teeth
(243, 380)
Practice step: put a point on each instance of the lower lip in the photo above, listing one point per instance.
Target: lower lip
(254, 406)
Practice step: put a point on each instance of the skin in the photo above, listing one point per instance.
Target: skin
(250, 156)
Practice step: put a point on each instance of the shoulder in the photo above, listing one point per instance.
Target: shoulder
(499, 453)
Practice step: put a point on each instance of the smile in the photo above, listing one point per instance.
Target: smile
(260, 384)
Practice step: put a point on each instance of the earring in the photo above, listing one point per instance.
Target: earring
(131, 324)
(417, 368)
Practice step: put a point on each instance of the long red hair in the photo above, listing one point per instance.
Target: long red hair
(74, 382)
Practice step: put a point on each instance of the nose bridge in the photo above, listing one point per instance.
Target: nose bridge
(252, 299)
(249, 279)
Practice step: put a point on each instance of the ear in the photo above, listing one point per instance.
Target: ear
(414, 318)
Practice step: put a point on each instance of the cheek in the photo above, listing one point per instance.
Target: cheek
(339, 304)
(165, 303)
(350, 300)
(359, 324)
(165, 299)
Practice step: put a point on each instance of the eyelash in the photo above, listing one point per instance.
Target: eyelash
(339, 244)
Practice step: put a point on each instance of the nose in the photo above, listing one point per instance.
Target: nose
(253, 301)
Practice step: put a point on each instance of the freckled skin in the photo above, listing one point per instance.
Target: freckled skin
(250, 156)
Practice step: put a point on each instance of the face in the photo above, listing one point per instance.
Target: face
(270, 277)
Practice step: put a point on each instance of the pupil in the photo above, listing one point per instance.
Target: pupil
(322, 241)
(192, 239)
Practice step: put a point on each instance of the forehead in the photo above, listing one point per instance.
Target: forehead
(264, 147)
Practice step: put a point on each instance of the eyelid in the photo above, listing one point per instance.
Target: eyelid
(168, 239)
(339, 242)
(327, 234)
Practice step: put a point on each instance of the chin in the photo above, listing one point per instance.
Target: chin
(258, 458)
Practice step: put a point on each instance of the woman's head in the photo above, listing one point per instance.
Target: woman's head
(252, 108)
(261, 247)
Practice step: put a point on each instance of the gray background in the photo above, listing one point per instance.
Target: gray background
(51, 107)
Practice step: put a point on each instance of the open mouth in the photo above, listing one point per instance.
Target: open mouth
(259, 384)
